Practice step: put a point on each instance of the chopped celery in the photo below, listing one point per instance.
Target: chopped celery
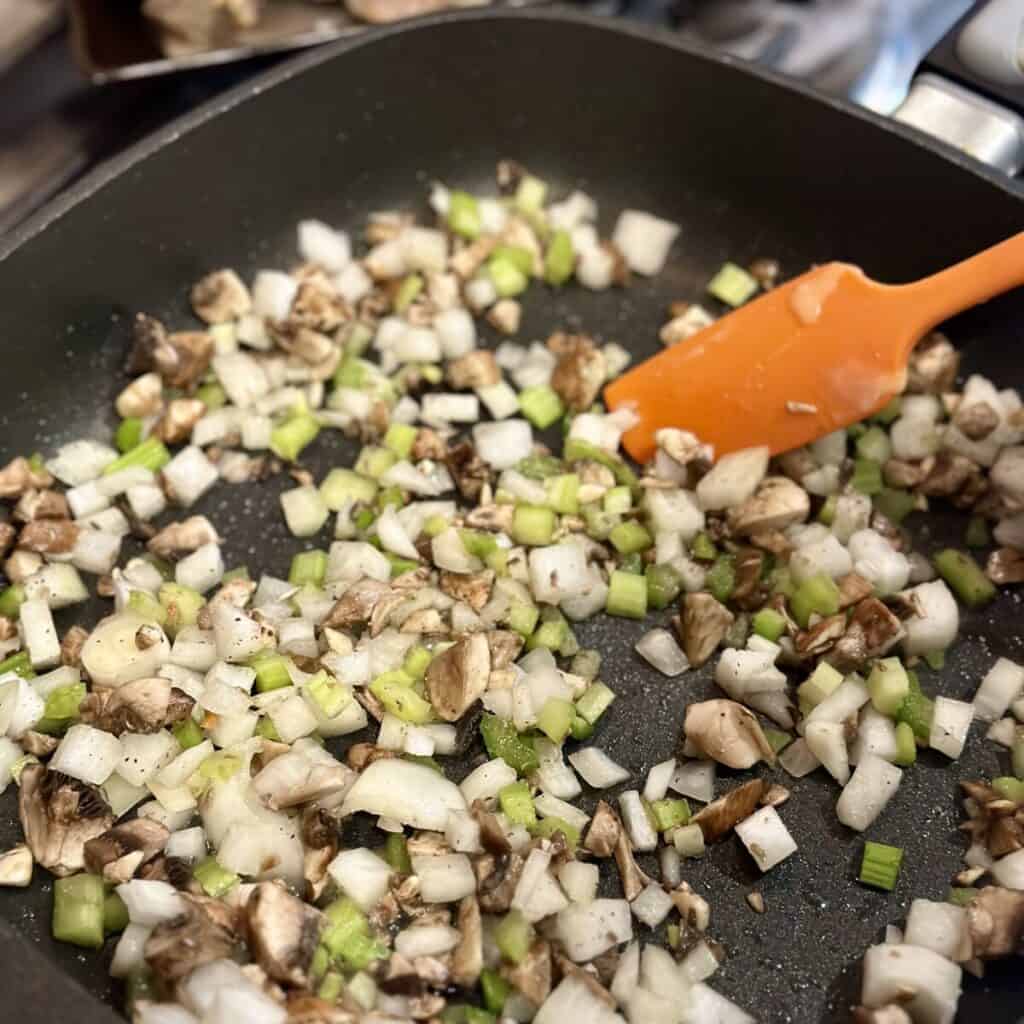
(400, 565)
(541, 406)
(215, 879)
(288, 440)
(961, 896)
(435, 525)
(407, 293)
(867, 476)
(530, 194)
(146, 606)
(580, 729)
(400, 438)
(19, 664)
(547, 827)
(11, 600)
(818, 594)
(517, 804)
(824, 680)
(559, 259)
(320, 962)
(965, 577)
(630, 537)
(916, 710)
(396, 853)
(1009, 788)
(540, 467)
(188, 734)
(149, 454)
(669, 813)
(627, 595)
(874, 444)
(328, 694)
(342, 485)
(507, 278)
(703, 548)
(906, 745)
(308, 567)
(732, 285)
(618, 500)
(894, 504)
(977, 533)
(416, 662)
(330, 987)
(181, 606)
(401, 699)
(115, 914)
(266, 729)
(551, 633)
(128, 434)
(1017, 752)
(594, 701)
(522, 618)
(673, 934)
(502, 740)
(63, 702)
(212, 396)
(78, 910)
(478, 543)
(464, 214)
(664, 585)
(533, 525)
(880, 865)
(374, 461)
(519, 257)
(827, 512)
(271, 671)
(890, 411)
(495, 989)
(888, 685)
(721, 578)
(555, 719)
(562, 493)
(599, 523)
(576, 450)
(769, 623)
(514, 936)
(777, 739)
(220, 767)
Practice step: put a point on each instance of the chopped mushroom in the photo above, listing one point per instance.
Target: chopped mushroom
(207, 931)
(495, 891)
(16, 867)
(357, 604)
(634, 881)
(505, 646)
(1005, 565)
(220, 296)
(777, 503)
(143, 705)
(474, 370)
(19, 476)
(119, 852)
(605, 828)
(718, 818)
(473, 588)
(59, 815)
(457, 678)
(317, 306)
(71, 646)
(468, 470)
(933, 366)
(995, 923)
(976, 421)
(702, 626)
(580, 371)
(468, 956)
(682, 447)
(38, 743)
(283, 932)
(49, 536)
(532, 976)
(176, 540)
(35, 504)
(728, 733)
(180, 416)
(292, 779)
(872, 630)
(693, 909)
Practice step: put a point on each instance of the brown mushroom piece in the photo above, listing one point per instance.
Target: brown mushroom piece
(119, 852)
(35, 504)
(634, 880)
(933, 366)
(473, 588)
(8, 533)
(206, 931)
(852, 590)
(38, 744)
(821, 637)
(492, 835)
(283, 932)
(580, 371)
(995, 923)
(468, 955)
(220, 296)
(976, 421)
(505, 646)
(478, 369)
(49, 536)
(702, 626)
(531, 977)
(605, 829)
(59, 815)
(871, 630)
(949, 472)
(319, 307)
(777, 503)
(728, 733)
(16, 867)
(458, 678)
(681, 446)
(495, 891)
(1005, 565)
(143, 705)
(693, 909)
(357, 604)
(176, 540)
(19, 476)
(718, 818)
(71, 646)
(179, 417)
(468, 470)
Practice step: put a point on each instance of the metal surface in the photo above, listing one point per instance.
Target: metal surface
(749, 166)
(957, 115)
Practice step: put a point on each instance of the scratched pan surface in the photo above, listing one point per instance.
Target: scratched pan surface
(748, 166)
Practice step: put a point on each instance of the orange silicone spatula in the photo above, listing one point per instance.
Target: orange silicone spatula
(819, 352)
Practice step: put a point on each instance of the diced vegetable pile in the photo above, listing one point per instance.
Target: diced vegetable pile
(178, 764)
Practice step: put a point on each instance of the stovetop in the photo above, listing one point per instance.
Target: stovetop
(54, 125)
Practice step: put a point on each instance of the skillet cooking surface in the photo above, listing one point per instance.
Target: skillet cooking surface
(748, 167)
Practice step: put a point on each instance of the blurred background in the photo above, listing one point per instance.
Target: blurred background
(82, 79)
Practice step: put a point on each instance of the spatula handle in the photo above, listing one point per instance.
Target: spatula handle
(978, 279)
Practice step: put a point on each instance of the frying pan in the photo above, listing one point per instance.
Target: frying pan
(748, 164)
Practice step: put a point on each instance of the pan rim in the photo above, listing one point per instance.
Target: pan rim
(114, 167)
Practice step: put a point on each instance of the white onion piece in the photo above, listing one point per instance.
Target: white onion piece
(22, 707)
(144, 755)
(695, 779)
(187, 844)
(876, 734)
(627, 974)
(121, 795)
(1003, 732)
(937, 625)
(874, 558)
(559, 572)
(149, 901)
(549, 806)
(408, 792)
(676, 511)
(129, 955)
(503, 444)
(10, 754)
(827, 742)
(393, 536)
(352, 560)
(920, 980)
(462, 833)
(361, 875)
(660, 649)
(939, 927)
(1001, 686)
(319, 243)
(700, 963)
(202, 570)
(658, 780)
(305, 510)
(1008, 871)
(853, 513)
(537, 894)
(194, 650)
(237, 636)
(112, 657)
(579, 880)
(426, 940)
(456, 331)
(263, 850)
(644, 240)
(247, 1003)
(951, 721)
(590, 929)
(847, 699)
(189, 475)
(78, 462)
(707, 1005)
(634, 817)
(826, 556)
(445, 878)
(766, 838)
(448, 407)
(554, 775)
(574, 1000)
(597, 768)
(87, 754)
(39, 635)
(733, 478)
(652, 906)
(872, 786)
